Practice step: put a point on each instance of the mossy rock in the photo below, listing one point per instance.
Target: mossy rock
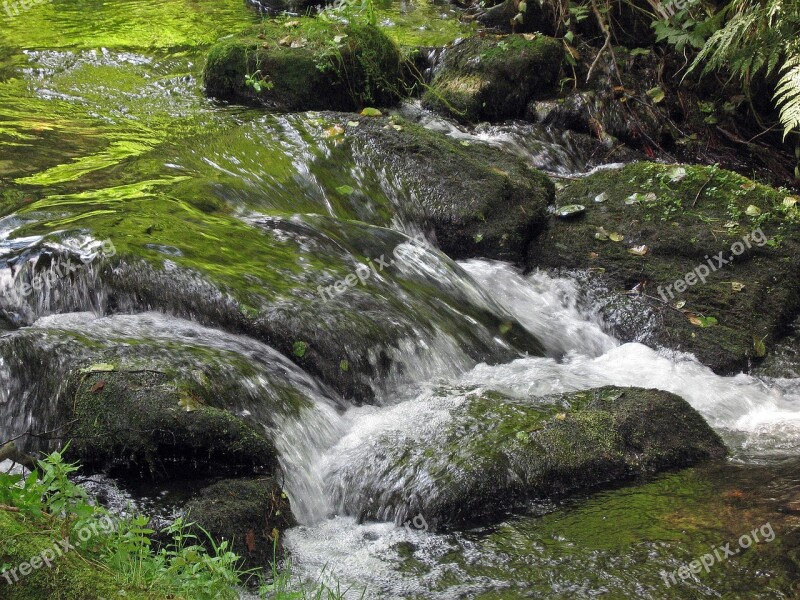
(477, 200)
(252, 514)
(307, 64)
(683, 218)
(472, 456)
(492, 78)
(143, 420)
(71, 577)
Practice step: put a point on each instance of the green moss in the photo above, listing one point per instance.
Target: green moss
(72, 576)
(493, 78)
(331, 66)
(130, 420)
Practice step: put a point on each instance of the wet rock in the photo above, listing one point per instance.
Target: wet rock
(538, 17)
(470, 456)
(477, 200)
(143, 420)
(251, 514)
(494, 78)
(290, 282)
(707, 257)
(152, 395)
(292, 66)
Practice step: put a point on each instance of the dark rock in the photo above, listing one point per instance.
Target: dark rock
(685, 217)
(494, 78)
(493, 454)
(251, 514)
(478, 200)
(296, 68)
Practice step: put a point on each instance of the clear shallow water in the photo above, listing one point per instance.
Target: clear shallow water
(101, 112)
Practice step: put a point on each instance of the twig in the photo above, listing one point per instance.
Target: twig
(9, 508)
(606, 45)
(702, 187)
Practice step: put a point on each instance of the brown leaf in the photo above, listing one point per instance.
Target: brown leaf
(98, 387)
(250, 540)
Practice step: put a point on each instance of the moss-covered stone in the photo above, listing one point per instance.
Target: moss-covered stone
(494, 454)
(144, 420)
(494, 78)
(683, 218)
(306, 64)
(71, 577)
(252, 513)
(477, 200)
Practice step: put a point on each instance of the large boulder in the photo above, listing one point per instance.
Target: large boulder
(471, 456)
(492, 78)
(707, 260)
(476, 200)
(306, 64)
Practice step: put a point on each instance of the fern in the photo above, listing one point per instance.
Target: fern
(787, 95)
(759, 36)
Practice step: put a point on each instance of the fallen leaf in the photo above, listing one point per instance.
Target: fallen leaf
(345, 190)
(639, 250)
(789, 202)
(593, 255)
(291, 23)
(301, 43)
(737, 286)
(250, 540)
(334, 131)
(680, 304)
(287, 41)
(98, 367)
(616, 237)
(371, 112)
(752, 211)
(561, 416)
(601, 234)
(656, 94)
(676, 174)
(750, 185)
(601, 197)
(701, 321)
(353, 123)
(98, 387)
(338, 38)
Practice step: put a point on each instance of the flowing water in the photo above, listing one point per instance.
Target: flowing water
(105, 137)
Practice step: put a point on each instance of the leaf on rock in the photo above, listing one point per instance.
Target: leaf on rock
(639, 250)
(616, 237)
(737, 286)
(656, 94)
(346, 190)
(752, 211)
(98, 387)
(371, 112)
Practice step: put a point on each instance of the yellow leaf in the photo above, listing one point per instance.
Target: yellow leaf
(639, 250)
(616, 237)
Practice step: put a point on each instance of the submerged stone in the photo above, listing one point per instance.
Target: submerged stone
(472, 456)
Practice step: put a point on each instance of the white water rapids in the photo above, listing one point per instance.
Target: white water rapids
(756, 417)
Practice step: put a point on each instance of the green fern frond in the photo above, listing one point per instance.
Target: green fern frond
(787, 95)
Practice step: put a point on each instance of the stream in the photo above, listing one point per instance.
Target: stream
(105, 134)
